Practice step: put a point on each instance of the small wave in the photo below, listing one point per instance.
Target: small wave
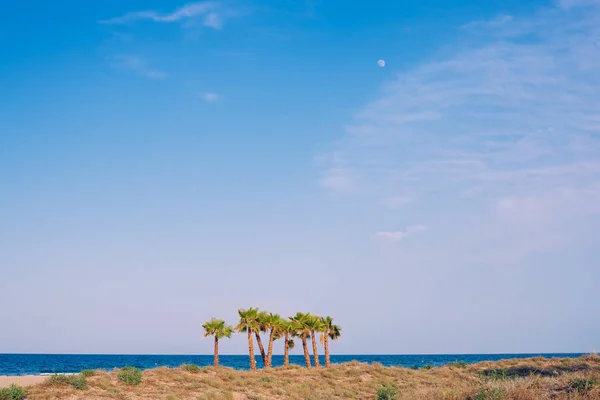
(56, 373)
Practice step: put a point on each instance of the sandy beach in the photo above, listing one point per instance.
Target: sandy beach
(28, 380)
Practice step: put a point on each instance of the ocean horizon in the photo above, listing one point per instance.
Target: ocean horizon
(47, 364)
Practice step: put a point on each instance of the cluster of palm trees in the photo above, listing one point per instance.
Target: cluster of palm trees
(253, 322)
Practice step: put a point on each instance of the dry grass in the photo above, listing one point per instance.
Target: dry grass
(526, 379)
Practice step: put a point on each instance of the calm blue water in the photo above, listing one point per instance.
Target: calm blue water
(35, 364)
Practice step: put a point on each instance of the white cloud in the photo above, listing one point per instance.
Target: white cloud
(536, 207)
(135, 64)
(397, 236)
(213, 20)
(391, 236)
(505, 129)
(189, 11)
(337, 178)
(493, 23)
(568, 4)
(210, 97)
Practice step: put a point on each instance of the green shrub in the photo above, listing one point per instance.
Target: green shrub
(88, 372)
(59, 380)
(265, 379)
(428, 366)
(13, 392)
(497, 375)
(458, 364)
(193, 368)
(387, 392)
(79, 382)
(130, 376)
(582, 385)
(489, 394)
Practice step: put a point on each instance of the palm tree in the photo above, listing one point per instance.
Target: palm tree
(218, 329)
(300, 325)
(272, 323)
(288, 330)
(249, 323)
(313, 323)
(262, 319)
(330, 331)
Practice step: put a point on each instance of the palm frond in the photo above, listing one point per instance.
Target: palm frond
(217, 327)
(335, 332)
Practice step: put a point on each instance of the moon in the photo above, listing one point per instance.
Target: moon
(381, 63)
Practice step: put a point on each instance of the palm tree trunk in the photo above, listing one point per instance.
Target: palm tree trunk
(314, 346)
(216, 351)
(270, 351)
(286, 352)
(260, 346)
(326, 346)
(251, 350)
(305, 346)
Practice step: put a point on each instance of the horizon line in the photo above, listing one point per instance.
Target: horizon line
(300, 355)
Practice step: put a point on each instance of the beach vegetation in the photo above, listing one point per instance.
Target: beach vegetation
(254, 322)
(13, 392)
(59, 380)
(387, 392)
(582, 385)
(193, 368)
(88, 373)
(79, 382)
(218, 329)
(489, 394)
(329, 331)
(302, 327)
(314, 325)
(130, 376)
(458, 364)
(248, 323)
(273, 326)
(288, 330)
(497, 375)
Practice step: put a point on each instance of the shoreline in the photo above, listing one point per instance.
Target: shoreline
(24, 381)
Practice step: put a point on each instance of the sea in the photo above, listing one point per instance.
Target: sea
(47, 364)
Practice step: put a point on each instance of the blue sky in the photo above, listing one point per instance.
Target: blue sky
(163, 163)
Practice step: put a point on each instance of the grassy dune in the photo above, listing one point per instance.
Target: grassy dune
(526, 379)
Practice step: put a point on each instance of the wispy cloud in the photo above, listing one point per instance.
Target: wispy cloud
(137, 65)
(391, 236)
(396, 236)
(512, 121)
(213, 20)
(336, 177)
(210, 97)
(493, 23)
(207, 11)
(568, 4)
